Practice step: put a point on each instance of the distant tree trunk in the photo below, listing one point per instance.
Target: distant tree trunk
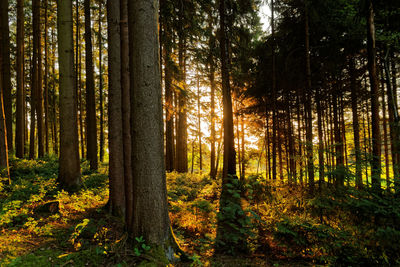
(308, 105)
(181, 132)
(211, 77)
(35, 75)
(4, 167)
(115, 138)
(385, 130)
(338, 143)
(54, 107)
(91, 126)
(20, 103)
(225, 230)
(78, 68)
(6, 81)
(356, 126)
(126, 113)
(46, 74)
(320, 140)
(393, 120)
(39, 89)
(300, 145)
(243, 173)
(150, 209)
(169, 103)
(376, 134)
(69, 173)
(199, 123)
(101, 86)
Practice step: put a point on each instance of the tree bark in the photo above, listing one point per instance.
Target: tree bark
(91, 126)
(101, 109)
(69, 173)
(20, 103)
(376, 134)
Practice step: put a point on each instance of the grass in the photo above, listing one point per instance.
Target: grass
(43, 226)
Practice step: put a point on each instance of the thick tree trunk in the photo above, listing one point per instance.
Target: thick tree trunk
(69, 174)
(91, 126)
(376, 134)
(150, 209)
(20, 103)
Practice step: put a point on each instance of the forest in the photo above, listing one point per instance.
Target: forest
(199, 133)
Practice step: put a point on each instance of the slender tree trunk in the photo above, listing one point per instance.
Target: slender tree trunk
(376, 135)
(126, 113)
(356, 127)
(320, 140)
(6, 79)
(211, 69)
(308, 106)
(39, 88)
(101, 86)
(385, 130)
(225, 231)
(20, 103)
(69, 173)
(91, 126)
(46, 74)
(338, 143)
(199, 123)
(4, 167)
(115, 138)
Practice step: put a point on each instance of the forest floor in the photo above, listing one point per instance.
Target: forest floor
(42, 226)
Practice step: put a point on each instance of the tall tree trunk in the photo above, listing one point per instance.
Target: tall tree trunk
(91, 126)
(150, 209)
(356, 126)
(376, 134)
(101, 86)
(211, 73)
(308, 105)
(39, 88)
(20, 103)
(199, 123)
(126, 113)
(115, 137)
(338, 143)
(181, 132)
(35, 75)
(46, 74)
(225, 230)
(320, 140)
(54, 107)
(6, 79)
(385, 130)
(69, 173)
(169, 103)
(4, 167)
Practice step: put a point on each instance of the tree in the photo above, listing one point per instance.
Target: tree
(20, 103)
(376, 134)
(4, 168)
(6, 80)
(150, 210)
(91, 127)
(69, 173)
(116, 145)
(230, 210)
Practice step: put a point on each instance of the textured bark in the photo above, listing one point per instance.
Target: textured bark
(20, 103)
(69, 173)
(34, 76)
(115, 137)
(91, 126)
(4, 168)
(376, 135)
(126, 110)
(6, 79)
(46, 85)
(150, 211)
